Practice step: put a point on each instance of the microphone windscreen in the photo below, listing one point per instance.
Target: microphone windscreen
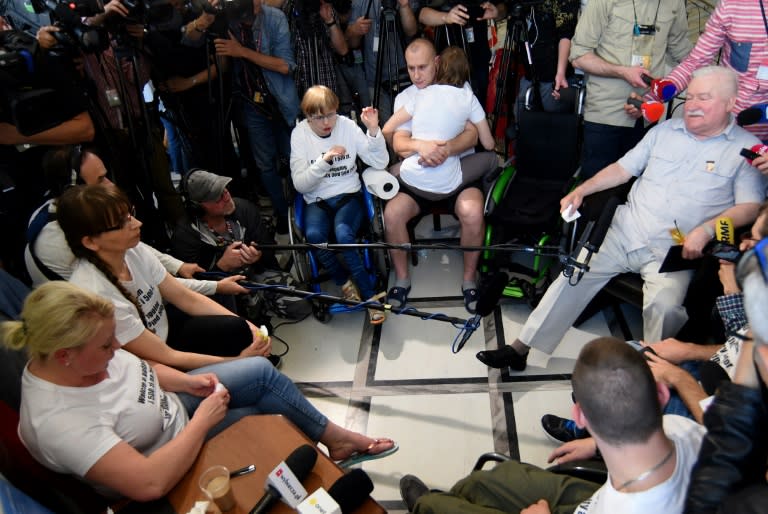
(351, 490)
(749, 116)
(724, 230)
(491, 292)
(665, 90)
(760, 149)
(603, 222)
(301, 461)
(652, 111)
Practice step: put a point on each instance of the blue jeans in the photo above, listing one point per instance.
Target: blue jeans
(605, 144)
(269, 139)
(256, 387)
(676, 405)
(177, 149)
(346, 222)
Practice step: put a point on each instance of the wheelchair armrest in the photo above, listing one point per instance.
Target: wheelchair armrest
(592, 470)
(490, 457)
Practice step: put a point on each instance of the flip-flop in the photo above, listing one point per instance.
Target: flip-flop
(375, 316)
(360, 457)
(470, 300)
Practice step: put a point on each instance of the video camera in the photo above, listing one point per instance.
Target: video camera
(73, 33)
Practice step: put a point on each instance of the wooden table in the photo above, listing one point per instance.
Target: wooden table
(264, 441)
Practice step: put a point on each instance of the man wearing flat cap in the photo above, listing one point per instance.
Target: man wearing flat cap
(223, 233)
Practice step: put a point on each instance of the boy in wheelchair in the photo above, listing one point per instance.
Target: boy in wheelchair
(324, 150)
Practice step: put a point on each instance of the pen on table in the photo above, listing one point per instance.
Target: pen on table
(242, 471)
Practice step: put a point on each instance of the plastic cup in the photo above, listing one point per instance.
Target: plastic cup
(214, 482)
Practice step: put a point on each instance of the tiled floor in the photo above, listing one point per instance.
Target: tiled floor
(401, 379)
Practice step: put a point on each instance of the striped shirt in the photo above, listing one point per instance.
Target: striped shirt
(738, 27)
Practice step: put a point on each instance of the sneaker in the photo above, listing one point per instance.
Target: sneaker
(562, 430)
(350, 292)
(411, 489)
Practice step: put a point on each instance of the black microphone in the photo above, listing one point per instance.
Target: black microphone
(592, 238)
(351, 490)
(286, 478)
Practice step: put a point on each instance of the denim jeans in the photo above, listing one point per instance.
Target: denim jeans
(177, 147)
(346, 223)
(256, 387)
(269, 139)
(676, 405)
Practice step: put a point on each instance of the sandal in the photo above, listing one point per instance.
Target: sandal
(350, 292)
(398, 296)
(366, 455)
(375, 316)
(470, 300)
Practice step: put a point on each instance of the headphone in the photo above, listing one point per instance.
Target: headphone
(194, 209)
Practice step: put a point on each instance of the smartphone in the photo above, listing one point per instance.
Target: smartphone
(724, 251)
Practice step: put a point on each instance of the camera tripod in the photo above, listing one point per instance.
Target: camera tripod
(390, 33)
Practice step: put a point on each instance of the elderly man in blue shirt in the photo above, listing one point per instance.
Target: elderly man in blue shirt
(689, 173)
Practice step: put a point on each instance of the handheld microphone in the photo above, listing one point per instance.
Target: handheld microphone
(284, 482)
(591, 240)
(724, 230)
(652, 111)
(750, 154)
(751, 115)
(343, 497)
(663, 89)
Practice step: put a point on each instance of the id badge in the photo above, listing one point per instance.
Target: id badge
(113, 97)
(376, 43)
(357, 54)
(642, 50)
(258, 98)
(469, 34)
(762, 70)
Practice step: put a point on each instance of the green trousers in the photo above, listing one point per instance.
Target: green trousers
(508, 488)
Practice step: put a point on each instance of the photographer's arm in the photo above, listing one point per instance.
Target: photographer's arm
(335, 34)
(76, 130)
(408, 18)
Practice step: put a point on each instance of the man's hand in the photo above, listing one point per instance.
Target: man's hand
(761, 163)
(671, 349)
(229, 285)
(457, 15)
(370, 118)
(491, 12)
(249, 254)
(574, 198)
(360, 27)
(229, 47)
(540, 507)
(45, 37)
(188, 269)
(560, 83)
(578, 449)
(231, 259)
(727, 275)
(632, 111)
(664, 371)
(694, 243)
(334, 151)
(432, 153)
(115, 7)
(634, 75)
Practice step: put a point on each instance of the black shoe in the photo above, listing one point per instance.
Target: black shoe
(505, 357)
(562, 430)
(275, 360)
(282, 225)
(411, 489)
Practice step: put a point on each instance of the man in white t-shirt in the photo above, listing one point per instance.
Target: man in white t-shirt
(648, 457)
(467, 200)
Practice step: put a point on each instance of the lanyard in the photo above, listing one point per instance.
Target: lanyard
(656, 16)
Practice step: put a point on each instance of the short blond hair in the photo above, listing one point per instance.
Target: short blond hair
(55, 316)
(318, 100)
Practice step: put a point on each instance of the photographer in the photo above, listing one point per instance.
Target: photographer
(365, 31)
(264, 94)
(466, 22)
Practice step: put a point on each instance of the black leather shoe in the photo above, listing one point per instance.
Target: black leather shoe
(505, 357)
(411, 489)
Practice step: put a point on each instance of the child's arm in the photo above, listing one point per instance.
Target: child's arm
(484, 134)
(397, 119)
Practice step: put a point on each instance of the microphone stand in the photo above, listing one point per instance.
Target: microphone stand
(541, 250)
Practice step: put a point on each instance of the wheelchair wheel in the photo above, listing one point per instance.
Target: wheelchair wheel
(381, 260)
(300, 257)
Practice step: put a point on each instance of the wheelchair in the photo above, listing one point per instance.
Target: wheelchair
(308, 267)
(523, 203)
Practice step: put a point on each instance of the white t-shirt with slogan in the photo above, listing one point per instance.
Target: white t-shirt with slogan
(146, 273)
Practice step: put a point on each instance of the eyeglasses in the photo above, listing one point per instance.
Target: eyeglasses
(323, 117)
(126, 221)
(751, 261)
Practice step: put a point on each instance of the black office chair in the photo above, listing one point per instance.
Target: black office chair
(592, 470)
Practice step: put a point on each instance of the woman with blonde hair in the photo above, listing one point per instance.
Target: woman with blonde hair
(324, 151)
(133, 428)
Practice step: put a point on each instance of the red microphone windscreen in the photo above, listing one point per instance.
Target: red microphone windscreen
(760, 149)
(652, 111)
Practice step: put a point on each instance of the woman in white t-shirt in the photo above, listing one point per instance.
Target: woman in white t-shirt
(131, 427)
(103, 234)
(324, 151)
(439, 113)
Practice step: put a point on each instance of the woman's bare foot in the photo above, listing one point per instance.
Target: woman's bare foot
(343, 443)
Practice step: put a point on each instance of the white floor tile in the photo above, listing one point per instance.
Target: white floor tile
(530, 406)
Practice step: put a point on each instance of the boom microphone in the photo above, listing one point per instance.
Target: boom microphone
(751, 115)
(343, 497)
(663, 89)
(284, 482)
(591, 239)
(652, 110)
